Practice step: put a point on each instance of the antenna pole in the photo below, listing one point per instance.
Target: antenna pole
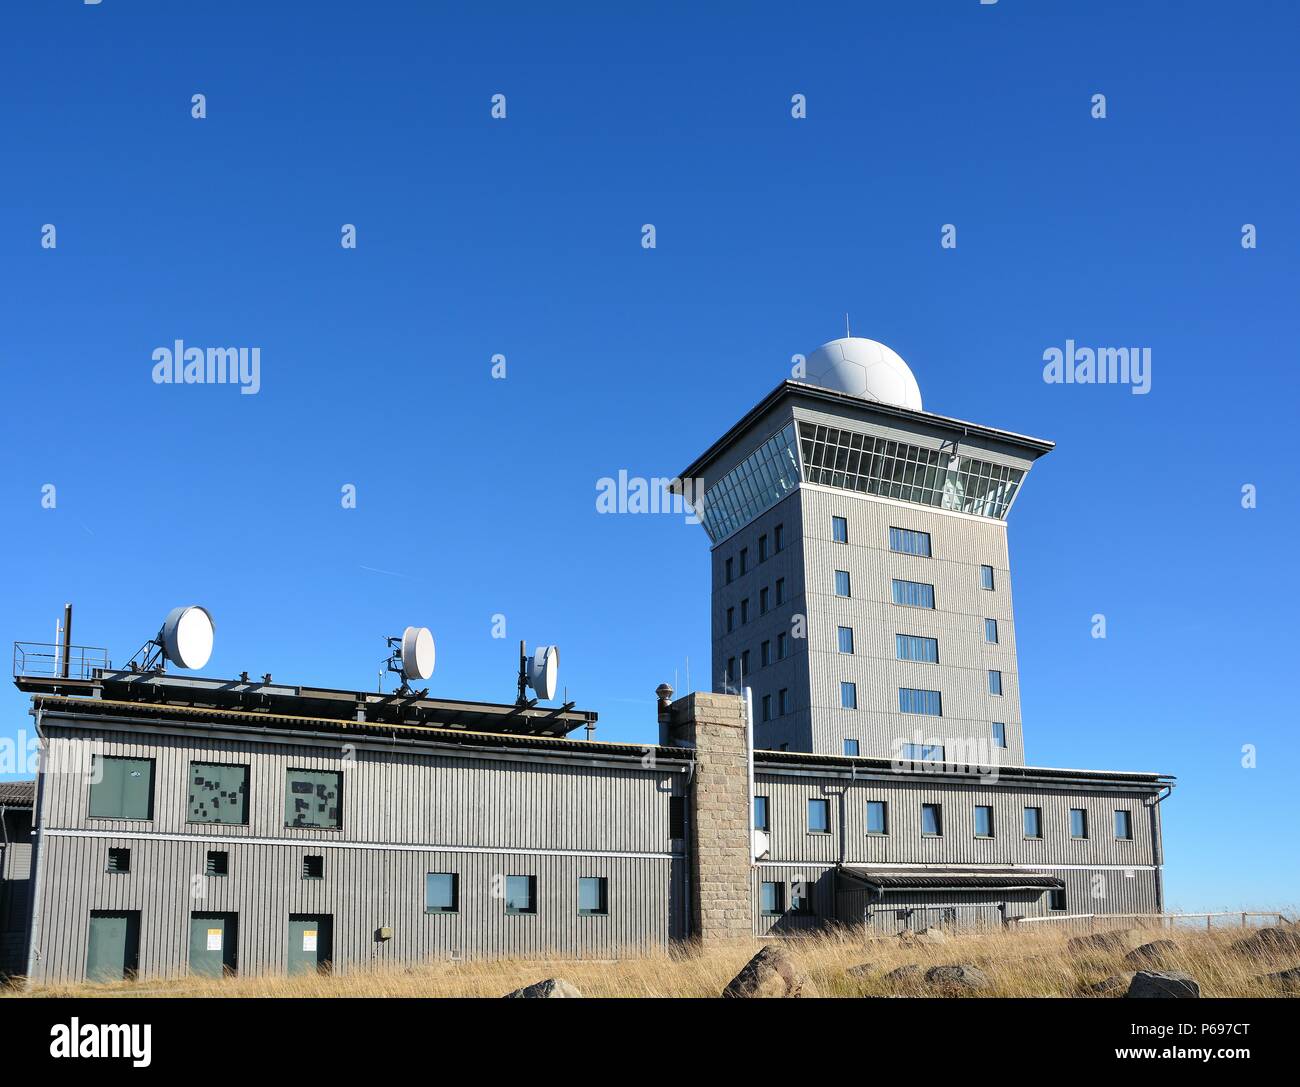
(523, 677)
(847, 333)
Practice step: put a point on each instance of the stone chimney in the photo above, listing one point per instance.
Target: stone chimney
(719, 837)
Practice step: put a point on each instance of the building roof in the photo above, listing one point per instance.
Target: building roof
(17, 794)
(991, 877)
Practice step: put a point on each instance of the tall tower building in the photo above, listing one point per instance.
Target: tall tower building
(861, 574)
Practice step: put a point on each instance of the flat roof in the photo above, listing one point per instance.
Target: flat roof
(816, 392)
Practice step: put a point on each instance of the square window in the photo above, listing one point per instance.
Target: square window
(983, 821)
(313, 866)
(842, 586)
(845, 635)
(442, 892)
(932, 820)
(313, 798)
(218, 863)
(119, 861)
(848, 696)
(760, 813)
(991, 630)
(851, 748)
(521, 894)
(1033, 822)
(877, 817)
(839, 530)
(1078, 823)
(771, 899)
(986, 578)
(1123, 826)
(819, 817)
(121, 788)
(999, 734)
(593, 898)
(218, 794)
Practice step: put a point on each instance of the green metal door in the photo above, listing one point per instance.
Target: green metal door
(212, 943)
(113, 948)
(311, 943)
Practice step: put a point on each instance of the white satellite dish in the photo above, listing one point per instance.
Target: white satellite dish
(544, 671)
(417, 653)
(186, 636)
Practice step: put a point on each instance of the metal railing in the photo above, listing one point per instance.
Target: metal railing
(44, 660)
(1164, 920)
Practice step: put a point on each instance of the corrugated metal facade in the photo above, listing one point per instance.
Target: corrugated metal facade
(15, 888)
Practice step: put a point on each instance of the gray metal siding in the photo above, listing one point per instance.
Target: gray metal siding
(15, 888)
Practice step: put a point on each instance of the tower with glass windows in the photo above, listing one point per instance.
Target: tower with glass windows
(861, 579)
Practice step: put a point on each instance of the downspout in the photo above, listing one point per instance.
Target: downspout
(1157, 847)
(33, 927)
(749, 759)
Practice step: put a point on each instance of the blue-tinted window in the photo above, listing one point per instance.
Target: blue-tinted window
(913, 594)
(780, 647)
(914, 700)
(999, 734)
(762, 548)
(995, 681)
(731, 620)
(842, 587)
(983, 821)
(744, 560)
(771, 899)
(767, 707)
(778, 537)
(762, 600)
(848, 696)
(931, 820)
(839, 530)
(521, 894)
(851, 747)
(1033, 822)
(923, 752)
(442, 892)
(990, 630)
(593, 897)
(757, 484)
(910, 647)
(783, 701)
(986, 577)
(780, 591)
(1078, 823)
(744, 611)
(819, 816)
(765, 654)
(846, 639)
(877, 817)
(731, 570)
(909, 542)
(760, 813)
(1123, 825)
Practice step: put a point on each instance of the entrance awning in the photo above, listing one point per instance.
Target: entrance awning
(989, 878)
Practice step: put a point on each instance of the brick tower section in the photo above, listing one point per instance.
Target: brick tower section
(718, 832)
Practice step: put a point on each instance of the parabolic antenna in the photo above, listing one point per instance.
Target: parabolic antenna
(544, 671)
(187, 636)
(417, 653)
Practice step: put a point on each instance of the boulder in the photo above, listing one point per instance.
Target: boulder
(772, 972)
(1156, 953)
(549, 989)
(1115, 985)
(1115, 939)
(1270, 941)
(862, 970)
(957, 977)
(1167, 983)
(1286, 980)
(926, 936)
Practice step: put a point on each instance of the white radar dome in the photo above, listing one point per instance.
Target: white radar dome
(864, 368)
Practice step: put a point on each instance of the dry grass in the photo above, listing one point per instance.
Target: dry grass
(1026, 961)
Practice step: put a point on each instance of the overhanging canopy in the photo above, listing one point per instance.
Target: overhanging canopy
(990, 878)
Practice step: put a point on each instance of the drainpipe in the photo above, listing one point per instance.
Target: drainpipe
(749, 756)
(33, 930)
(1157, 847)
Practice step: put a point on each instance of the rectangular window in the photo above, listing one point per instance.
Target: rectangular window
(986, 578)
(851, 748)
(983, 821)
(1033, 822)
(744, 611)
(1123, 826)
(991, 630)
(999, 734)
(848, 696)
(1078, 823)
(313, 798)
(782, 702)
(995, 681)
(819, 817)
(521, 894)
(744, 560)
(913, 594)
(923, 752)
(762, 548)
(121, 788)
(914, 700)
(760, 813)
(842, 585)
(877, 817)
(218, 793)
(770, 897)
(839, 530)
(778, 537)
(593, 896)
(780, 591)
(677, 817)
(767, 707)
(780, 647)
(218, 863)
(932, 820)
(313, 867)
(442, 892)
(731, 620)
(744, 664)
(119, 860)
(765, 654)
(731, 571)
(762, 601)
(909, 542)
(846, 639)
(911, 647)
(1056, 899)
(731, 670)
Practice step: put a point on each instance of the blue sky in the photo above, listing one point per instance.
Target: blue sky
(523, 237)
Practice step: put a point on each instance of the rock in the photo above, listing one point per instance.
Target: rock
(1156, 953)
(932, 936)
(908, 976)
(1115, 985)
(1115, 939)
(1286, 980)
(550, 989)
(957, 977)
(772, 972)
(863, 970)
(1270, 941)
(1157, 983)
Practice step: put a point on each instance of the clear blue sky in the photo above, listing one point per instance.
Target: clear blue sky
(523, 237)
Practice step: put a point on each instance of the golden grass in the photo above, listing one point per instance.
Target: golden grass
(1028, 961)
